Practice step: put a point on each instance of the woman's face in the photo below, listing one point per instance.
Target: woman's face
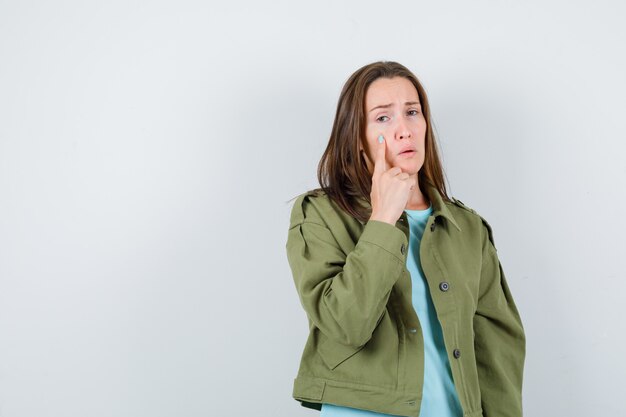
(393, 109)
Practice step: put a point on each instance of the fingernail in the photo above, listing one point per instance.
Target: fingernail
(380, 139)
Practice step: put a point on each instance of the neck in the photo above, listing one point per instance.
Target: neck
(417, 199)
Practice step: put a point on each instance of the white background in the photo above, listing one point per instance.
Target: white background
(148, 151)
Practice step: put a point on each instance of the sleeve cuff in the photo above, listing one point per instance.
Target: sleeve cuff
(387, 237)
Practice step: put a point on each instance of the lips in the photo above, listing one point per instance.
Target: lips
(407, 149)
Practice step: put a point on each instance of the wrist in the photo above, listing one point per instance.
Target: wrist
(384, 219)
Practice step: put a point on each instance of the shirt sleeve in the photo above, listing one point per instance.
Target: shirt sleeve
(499, 339)
(344, 294)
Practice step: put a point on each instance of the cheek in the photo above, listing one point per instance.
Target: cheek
(371, 137)
(423, 123)
(421, 129)
(369, 148)
(372, 134)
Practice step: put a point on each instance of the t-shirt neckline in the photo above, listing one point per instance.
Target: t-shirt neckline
(419, 214)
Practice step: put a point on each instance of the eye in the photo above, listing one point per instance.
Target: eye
(381, 118)
(413, 112)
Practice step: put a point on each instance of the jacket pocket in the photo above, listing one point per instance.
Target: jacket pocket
(333, 354)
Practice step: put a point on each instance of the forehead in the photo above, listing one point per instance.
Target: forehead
(388, 90)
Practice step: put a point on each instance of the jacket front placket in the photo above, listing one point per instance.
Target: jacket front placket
(444, 303)
(410, 337)
(411, 377)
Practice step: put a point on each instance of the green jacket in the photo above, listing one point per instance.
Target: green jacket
(365, 347)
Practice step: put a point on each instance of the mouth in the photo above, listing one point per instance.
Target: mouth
(408, 152)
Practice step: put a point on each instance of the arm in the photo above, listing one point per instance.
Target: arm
(345, 296)
(499, 339)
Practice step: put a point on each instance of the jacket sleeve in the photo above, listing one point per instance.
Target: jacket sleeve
(344, 295)
(499, 339)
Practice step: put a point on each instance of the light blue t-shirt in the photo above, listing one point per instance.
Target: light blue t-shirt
(439, 396)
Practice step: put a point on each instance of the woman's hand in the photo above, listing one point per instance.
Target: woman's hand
(391, 188)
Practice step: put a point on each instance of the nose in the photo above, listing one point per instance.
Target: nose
(403, 131)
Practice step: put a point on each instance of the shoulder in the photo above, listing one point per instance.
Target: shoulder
(311, 206)
(466, 210)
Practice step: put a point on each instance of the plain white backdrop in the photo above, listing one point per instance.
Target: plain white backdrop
(148, 150)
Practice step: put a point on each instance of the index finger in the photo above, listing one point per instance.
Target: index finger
(380, 163)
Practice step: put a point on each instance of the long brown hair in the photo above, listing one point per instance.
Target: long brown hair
(342, 171)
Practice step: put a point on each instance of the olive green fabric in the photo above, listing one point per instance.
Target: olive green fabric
(365, 346)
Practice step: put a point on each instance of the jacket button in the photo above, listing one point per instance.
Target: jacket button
(444, 286)
(413, 330)
(457, 353)
(402, 248)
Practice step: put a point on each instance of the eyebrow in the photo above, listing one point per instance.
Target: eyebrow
(384, 106)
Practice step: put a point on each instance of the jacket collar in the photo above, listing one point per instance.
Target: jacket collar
(439, 205)
(440, 208)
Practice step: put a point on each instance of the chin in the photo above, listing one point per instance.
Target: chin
(410, 167)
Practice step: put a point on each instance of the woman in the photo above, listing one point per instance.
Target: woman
(409, 310)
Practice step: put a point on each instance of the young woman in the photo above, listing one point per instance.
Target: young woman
(409, 310)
